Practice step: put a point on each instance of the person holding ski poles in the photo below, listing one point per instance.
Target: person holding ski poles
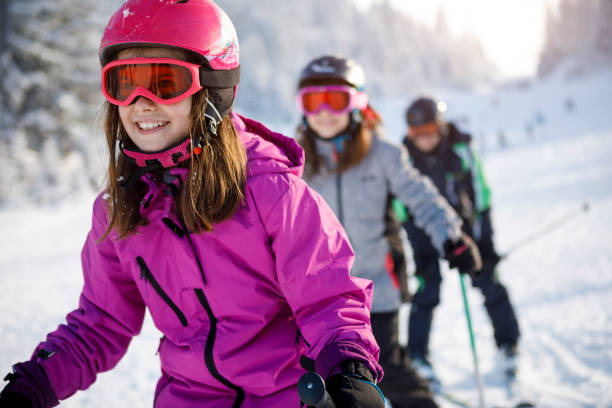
(206, 223)
(355, 169)
(444, 154)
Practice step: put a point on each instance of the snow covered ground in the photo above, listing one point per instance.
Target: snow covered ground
(561, 284)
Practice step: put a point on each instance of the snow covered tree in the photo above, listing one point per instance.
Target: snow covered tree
(578, 36)
(604, 31)
(49, 74)
(277, 38)
(49, 80)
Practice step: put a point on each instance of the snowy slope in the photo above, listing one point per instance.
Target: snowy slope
(560, 284)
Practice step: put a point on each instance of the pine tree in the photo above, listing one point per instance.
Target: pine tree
(49, 74)
(604, 31)
(578, 37)
(277, 38)
(49, 80)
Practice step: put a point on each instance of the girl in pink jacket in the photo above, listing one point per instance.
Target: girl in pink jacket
(206, 223)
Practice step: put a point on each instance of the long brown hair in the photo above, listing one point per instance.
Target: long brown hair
(212, 190)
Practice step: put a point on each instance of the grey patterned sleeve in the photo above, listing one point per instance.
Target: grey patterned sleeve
(429, 208)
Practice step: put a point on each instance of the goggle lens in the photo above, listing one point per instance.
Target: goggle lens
(162, 82)
(426, 129)
(336, 100)
(312, 100)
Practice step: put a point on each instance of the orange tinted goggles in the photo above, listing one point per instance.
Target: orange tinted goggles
(426, 129)
(163, 80)
(338, 99)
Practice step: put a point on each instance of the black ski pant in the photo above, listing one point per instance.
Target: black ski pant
(401, 384)
(497, 301)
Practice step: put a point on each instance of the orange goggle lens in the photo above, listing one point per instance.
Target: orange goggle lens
(336, 100)
(166, 81)
(428, 128)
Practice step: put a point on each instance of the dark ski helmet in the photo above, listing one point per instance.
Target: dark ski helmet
(425, 110)
(331, 68)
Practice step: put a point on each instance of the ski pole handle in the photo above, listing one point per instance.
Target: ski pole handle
(311, 388)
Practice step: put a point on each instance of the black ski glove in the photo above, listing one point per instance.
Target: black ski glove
(28, 387)
(490, 257)
(463, 254)
(354, 387)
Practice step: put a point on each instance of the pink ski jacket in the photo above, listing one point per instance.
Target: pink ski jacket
(237, 306)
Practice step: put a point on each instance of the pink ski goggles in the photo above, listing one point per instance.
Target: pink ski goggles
(338, 99)
(162, 80)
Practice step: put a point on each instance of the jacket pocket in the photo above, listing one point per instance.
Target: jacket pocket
(145, 273)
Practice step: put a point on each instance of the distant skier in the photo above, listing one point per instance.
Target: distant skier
(444, 154)
(355, 169)
(569, 104)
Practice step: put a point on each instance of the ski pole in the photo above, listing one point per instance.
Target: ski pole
(311, 389)
(546, 228)
(477, 376)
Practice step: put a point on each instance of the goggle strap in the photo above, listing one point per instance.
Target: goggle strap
(219, 78)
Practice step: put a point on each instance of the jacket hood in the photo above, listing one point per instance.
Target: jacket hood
(267, 151)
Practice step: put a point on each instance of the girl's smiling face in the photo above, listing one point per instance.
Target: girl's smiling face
(151, 126)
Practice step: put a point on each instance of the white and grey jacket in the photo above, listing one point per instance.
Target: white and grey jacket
(358, 198)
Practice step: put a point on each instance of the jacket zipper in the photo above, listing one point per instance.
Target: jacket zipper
(208, 351)
(184, 232)
(299, 336)
(146, 274)
(339, 197)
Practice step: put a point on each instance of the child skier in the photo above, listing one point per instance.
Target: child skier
(355, 170)
(443, 153)
(206, 223)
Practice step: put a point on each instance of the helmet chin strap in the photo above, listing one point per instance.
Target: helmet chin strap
(172, 155)
(146, 161)
(168, 157)
(213, 117)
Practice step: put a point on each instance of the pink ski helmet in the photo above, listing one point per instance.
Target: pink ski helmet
(198, 27)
